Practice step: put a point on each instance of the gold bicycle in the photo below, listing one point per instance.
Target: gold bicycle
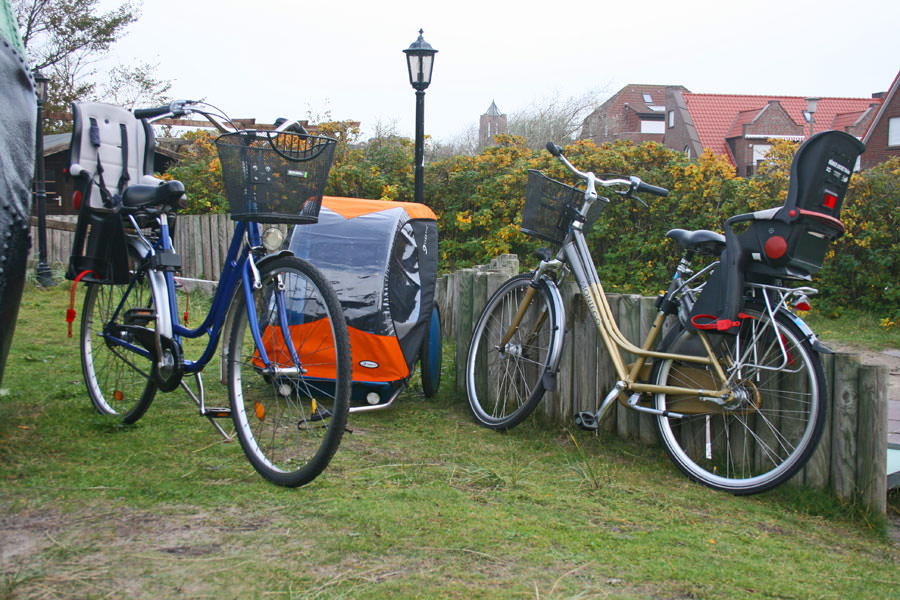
(736, 386)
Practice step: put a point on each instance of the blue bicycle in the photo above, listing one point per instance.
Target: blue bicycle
(286, 349)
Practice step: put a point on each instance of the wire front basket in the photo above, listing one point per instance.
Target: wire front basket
(275, 177)
(550, 207)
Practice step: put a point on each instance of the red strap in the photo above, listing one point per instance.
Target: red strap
(70, 314)
(714, 323)
(187, 300)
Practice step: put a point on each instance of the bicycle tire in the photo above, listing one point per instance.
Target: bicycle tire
(290, 425)
(118, 381)
(770, 433)
(504, 385)
(431, 356)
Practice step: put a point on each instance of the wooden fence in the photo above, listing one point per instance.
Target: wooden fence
(201, 240)
(851, 458)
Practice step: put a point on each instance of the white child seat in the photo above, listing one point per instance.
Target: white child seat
(112, 149)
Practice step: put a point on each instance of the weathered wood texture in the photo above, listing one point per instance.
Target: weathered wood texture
(201, 240)
(850, 459)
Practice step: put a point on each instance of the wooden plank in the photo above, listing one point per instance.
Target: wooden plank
(196, 243)
(871, 455)
(844, 425)
(629, 320)
(206, 247)
(559, 403)
(816, 472)
(606, 372)
(584, 358)
(224, 236)
(465, 280)
(647, 315)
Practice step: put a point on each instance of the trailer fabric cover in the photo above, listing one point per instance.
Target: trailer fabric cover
(381, 258)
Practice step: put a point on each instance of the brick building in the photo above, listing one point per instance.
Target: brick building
(637, 112)
(882, 139)
(737, 127)
(740, 127)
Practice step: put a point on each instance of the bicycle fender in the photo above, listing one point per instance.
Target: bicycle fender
(808, 333)
(229, 315)
(549, 378)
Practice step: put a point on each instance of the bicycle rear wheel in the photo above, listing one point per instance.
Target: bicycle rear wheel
(118, 380)
(505, 381)
(771, 427)
(290, 421)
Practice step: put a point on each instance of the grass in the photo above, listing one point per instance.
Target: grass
(855, 328)
(419, 502)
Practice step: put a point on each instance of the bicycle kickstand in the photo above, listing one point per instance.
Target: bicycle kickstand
(209, 412)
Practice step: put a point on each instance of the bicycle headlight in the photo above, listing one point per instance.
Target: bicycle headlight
(272, 239)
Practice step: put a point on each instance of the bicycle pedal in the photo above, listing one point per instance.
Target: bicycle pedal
(216, 413)
(587, 421)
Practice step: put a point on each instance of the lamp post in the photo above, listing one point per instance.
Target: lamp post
(811, 109)
(420, 60)
(42, 271)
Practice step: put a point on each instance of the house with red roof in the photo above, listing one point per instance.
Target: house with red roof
(737, 127)
(740, 128)
(882, 139)
(637, 113)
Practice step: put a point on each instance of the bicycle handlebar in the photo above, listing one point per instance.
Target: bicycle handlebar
(634, 183)
(219, 120)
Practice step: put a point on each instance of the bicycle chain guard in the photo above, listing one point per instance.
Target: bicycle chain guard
(167, 375)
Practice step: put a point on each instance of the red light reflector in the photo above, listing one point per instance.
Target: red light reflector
(829, 201)
(775, 247)
(804, 306)
(76, 200)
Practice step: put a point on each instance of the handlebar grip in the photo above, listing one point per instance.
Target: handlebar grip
(176, 108)
(649, 189)
(554, 149)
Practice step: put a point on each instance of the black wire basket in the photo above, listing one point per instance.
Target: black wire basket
(275, 177)
(550, 207)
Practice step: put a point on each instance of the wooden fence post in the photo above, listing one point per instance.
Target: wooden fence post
(816, 473)
(871, 435)
(844, 425)
(464, 281)
(629, 321)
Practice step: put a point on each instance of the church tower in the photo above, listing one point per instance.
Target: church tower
(493, 122)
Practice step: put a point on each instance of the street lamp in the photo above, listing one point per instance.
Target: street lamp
(42, 271)
(420, 60)
(811, 110)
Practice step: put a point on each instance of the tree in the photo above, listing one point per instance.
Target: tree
(554, 120)
(66, 38)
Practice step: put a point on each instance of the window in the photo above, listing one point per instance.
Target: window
(894, 131)
(648, 126)
(671, 118)
(648, 99)
(760, 151)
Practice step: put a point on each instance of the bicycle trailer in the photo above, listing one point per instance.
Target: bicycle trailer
(381, 258)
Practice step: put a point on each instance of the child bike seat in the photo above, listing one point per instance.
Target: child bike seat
(786, 242)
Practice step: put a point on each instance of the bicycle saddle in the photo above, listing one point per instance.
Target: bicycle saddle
(169, 194)
(703, 241)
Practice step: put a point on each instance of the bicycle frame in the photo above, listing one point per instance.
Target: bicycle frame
(239, 269)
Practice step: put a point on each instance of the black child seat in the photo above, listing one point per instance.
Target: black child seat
(111, 161)
(787, 242)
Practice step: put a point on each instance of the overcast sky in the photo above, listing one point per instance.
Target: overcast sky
(269, 58)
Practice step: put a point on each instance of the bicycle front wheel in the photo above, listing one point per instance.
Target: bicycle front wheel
(771, 426)
(118, 380)
(290, 416)
(509, 361)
